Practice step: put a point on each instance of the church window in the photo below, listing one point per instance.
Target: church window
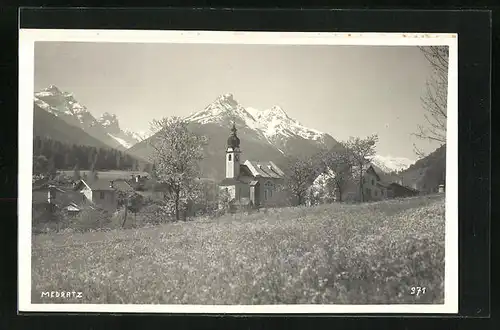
(229, 157)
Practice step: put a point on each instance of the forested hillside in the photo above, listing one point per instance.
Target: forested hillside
(427, 173)
(64, 156)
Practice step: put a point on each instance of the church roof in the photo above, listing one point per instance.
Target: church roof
(230, 182)
(266, 169)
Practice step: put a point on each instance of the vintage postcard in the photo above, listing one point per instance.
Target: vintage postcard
(238, 172)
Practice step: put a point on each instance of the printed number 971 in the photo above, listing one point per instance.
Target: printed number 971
(417, 290)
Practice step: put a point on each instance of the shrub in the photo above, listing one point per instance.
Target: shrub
(155, 213)
(90, 219)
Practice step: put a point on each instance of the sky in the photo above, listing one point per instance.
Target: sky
(340, 90)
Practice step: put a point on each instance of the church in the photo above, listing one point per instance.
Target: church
(252, 183)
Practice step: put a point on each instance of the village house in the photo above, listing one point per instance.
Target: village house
(99, 192)
(374, 188)
(47, 198)
(251, 183)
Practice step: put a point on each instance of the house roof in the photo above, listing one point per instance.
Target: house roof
(122, 185)
(382, 184)
(62, 197)
(45, 187)
(99, 184)
(245, 179)
(230, 182)
(266, 169)
(73, 207)
(395, 184)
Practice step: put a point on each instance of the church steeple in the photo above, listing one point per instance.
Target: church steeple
(233, 141)
(233, 155)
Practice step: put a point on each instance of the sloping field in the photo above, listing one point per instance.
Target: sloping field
(330, 254)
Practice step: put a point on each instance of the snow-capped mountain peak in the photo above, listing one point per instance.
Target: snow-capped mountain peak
(110, 123)
(224, 109)
(64, 105)
(139, 136)
(53, 100)
(272, 123)
(277, 111)
(391, 164)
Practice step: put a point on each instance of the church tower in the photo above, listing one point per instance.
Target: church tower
(233, 155)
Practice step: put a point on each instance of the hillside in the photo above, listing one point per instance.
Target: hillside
(427, 173)
(47, 125)
(65, 155)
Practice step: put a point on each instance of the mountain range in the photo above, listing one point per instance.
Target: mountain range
(265, 135)
(105, 128)
(269, 134)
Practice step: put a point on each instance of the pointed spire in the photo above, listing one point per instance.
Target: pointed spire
(233, 141)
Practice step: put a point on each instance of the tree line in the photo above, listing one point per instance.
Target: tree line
(51, 155)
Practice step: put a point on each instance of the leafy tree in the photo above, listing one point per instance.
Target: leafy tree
(299, 175)
(338, 168)
(434, 101)
(132, 203)
(360, 151)
(223, 199)
(177, 155)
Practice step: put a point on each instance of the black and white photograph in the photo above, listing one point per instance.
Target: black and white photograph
(238, 172)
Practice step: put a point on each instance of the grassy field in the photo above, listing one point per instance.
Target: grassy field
(329, 254)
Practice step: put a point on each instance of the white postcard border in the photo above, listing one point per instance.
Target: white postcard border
(27, 39)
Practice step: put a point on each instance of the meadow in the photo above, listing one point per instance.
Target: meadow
(371, 253)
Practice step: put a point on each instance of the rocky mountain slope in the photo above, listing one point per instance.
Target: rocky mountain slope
(64, 106)
(47, 125)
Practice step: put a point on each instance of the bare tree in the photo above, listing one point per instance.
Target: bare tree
(300, 174)
(177, 153)
(434, 101)
(360, 152)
